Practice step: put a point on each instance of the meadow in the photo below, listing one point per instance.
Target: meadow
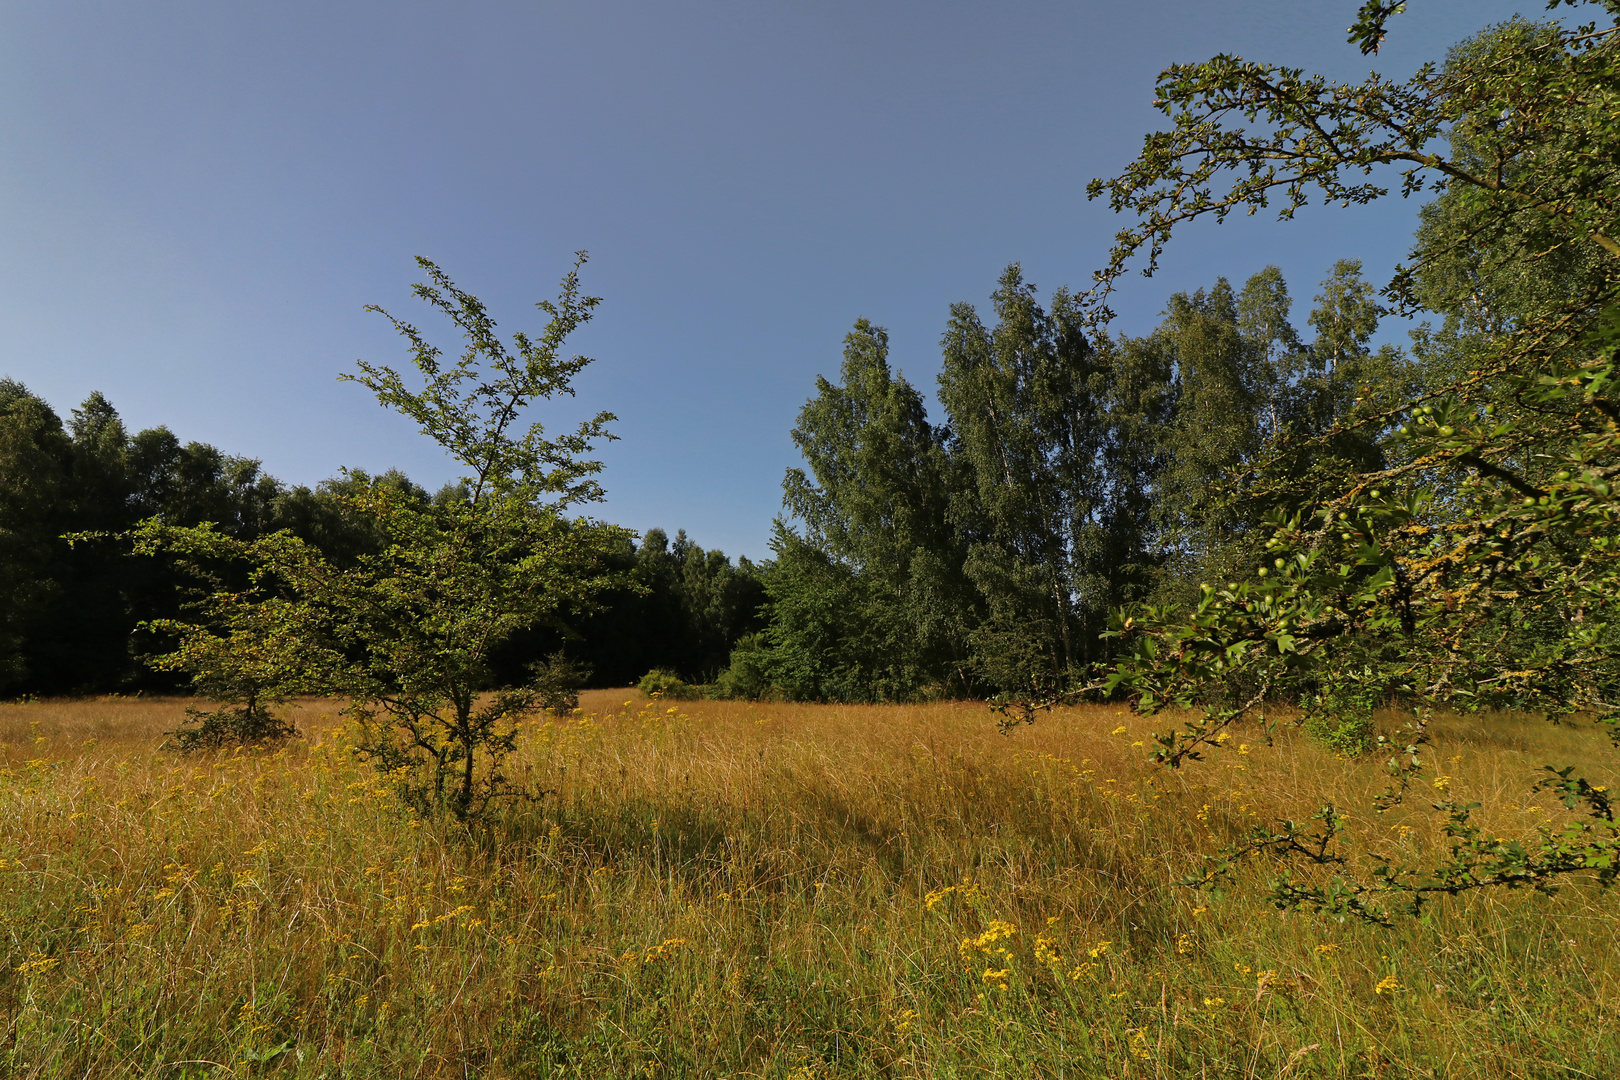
(722, 889)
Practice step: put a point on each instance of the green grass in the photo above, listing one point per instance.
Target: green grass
(761, 891)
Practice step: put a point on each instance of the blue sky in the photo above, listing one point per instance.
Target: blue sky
(197, 199)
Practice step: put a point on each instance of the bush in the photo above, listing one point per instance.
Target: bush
(1348, 733)
(749, 675)
(666, 684)
(233, 725)
(559, 681)
(1341, 715)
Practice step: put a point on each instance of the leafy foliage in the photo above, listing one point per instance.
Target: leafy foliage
(407, 630)
(1472, 564)
(749, 675)
(667, 684)
(1023, 401)
(867, 601)
(1075, 472)
(1520, 122)
(249, 652)
(836, 633)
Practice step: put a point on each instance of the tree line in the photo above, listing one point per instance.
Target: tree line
(72, 613)
(1075, 472)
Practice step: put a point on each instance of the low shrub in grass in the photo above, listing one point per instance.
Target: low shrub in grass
(251, 724)
(666, 684)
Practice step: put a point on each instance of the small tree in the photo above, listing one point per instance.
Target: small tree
(247, 653)
(411, 627)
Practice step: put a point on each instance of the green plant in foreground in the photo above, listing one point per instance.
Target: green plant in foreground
(1476, 566)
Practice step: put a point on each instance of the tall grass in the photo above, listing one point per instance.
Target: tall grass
(722, 889)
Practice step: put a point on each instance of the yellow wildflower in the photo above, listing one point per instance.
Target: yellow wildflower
(664, 951)
(38, 964)
(986, 942)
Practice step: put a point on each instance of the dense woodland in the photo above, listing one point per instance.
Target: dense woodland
(1074, 473)
(1071, 475)
(71, 612)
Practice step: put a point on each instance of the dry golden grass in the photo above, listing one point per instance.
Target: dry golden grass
(731, 889)
(132, 723)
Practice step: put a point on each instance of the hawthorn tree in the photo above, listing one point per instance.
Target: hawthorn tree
(407, 631)
(1476, 561)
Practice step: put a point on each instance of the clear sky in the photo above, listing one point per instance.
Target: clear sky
(197, 199)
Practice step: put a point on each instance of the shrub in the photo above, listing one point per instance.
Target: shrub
(749, 675)
(231, 725)
(1340, 715)
(666, 684)
(1346, 732)
(558, 681)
